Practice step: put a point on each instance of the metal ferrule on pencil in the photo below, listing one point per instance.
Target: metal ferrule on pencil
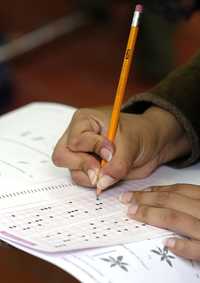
(136, 19)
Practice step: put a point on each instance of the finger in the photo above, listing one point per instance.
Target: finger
(64, 157)
(81, 178)
(111, 173)
(90, 142)
(74, 161)
(86, 134)
(176, 221)
(83, 121)
(192, 191)
(119, 167)
(80, 138)
(78, 161)
(168, 200)
(188, 249)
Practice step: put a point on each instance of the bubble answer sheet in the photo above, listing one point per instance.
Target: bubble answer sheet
(58, 216)
(44, 213)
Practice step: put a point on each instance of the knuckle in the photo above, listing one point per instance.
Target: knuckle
(170, 218)
(162, 198)
(74, 143)
(57, 157)
(98, 145)
(81, 113)
(77, 114)
(144, 212)
(121, 169)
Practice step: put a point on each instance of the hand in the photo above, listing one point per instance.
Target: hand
(143, 142)
(176, 208)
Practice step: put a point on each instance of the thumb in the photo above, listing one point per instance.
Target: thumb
(120, 165)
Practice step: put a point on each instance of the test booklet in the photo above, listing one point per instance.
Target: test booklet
(45, 214)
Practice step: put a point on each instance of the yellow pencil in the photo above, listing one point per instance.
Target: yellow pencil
(123, 79)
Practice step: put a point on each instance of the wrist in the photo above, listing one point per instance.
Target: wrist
(172, 139)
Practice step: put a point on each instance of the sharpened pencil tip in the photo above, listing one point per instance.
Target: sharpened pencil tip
(98, 192)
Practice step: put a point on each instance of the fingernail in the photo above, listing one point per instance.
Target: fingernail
(106, 154)
(93, 176)
(133, 209)
(169, 243)
(105, 182)
(126, 197)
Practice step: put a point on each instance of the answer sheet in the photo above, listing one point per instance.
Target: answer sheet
(40, 207)
(45, 214)
(60, 216)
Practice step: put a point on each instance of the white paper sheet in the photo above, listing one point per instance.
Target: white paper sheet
(27, 176)
(60, 216)
(27, 139)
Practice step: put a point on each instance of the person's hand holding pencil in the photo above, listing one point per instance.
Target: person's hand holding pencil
(140, 146)
(123, 80)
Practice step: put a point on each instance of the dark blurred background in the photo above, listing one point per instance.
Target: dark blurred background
(71, 52)
(84, 59)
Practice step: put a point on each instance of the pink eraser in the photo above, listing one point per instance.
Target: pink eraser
(139, 8)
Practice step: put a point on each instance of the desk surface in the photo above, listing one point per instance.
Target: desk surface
(18, 267)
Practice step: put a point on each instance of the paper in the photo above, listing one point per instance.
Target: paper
(147, 261)
(60, 216)
(27, 139)
(44, 209)
(41, 209)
